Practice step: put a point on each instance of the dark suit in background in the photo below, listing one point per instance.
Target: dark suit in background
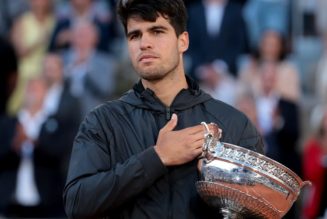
(51, 156)
(227, 45)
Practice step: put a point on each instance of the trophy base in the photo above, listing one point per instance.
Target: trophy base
(230, 214)
(233, 203)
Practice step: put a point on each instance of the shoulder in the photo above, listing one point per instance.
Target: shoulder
(110, 109)
(223, 110)
(106, 117)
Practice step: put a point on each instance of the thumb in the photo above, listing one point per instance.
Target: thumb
(171, 124)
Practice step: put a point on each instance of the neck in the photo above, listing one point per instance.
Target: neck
(167, 88)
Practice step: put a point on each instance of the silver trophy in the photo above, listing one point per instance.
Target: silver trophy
(242, 183)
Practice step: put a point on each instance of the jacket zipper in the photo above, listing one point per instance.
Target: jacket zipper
(170, 213)
(168, 113)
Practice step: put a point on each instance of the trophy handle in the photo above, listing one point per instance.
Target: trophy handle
(211, 140)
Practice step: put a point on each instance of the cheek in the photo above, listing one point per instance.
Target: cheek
(132, 54)
(132, 47)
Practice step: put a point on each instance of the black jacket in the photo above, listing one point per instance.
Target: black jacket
(114, 171)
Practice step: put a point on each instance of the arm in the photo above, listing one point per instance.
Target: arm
(95, 183)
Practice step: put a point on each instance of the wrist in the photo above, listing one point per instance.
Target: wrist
(160, 155)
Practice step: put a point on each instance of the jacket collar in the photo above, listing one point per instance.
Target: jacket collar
(146, 98)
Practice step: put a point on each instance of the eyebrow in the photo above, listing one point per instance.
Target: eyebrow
(153, 28)
(158, 27)
(133, 32)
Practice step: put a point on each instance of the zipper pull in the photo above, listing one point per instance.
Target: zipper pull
(168, 113)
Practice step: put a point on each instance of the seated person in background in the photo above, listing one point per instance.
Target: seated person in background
(272, 49)
(91, 73)
(79, 10)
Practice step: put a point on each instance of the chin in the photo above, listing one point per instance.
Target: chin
(152, 76)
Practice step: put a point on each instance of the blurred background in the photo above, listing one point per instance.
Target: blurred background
(61, 58)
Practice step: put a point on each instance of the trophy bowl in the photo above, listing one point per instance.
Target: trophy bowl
(242, 183)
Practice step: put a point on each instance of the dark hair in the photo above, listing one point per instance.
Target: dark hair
(149, 10)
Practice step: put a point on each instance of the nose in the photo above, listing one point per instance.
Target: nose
(146, 42)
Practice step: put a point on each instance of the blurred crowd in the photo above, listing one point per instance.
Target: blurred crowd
(61, 58)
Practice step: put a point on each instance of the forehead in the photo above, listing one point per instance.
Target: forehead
(137, 23)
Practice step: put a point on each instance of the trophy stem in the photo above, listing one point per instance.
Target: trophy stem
(230, 214)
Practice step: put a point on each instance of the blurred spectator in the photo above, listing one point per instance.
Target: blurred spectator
(279, 123)
(8, 73)
(91, 73)
(246, 103)
(278, 119)
(262, 15)
(36, 145)
(30, 36)
(94, 11)
(321, 21)
(216, 81)
(53, 148)
(217, 32)
(315, 166)
(272, 49)
(9, 12)
(320, 84)
(20, 196)
(266, 104)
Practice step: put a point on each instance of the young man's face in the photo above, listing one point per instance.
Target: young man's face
(154, 48)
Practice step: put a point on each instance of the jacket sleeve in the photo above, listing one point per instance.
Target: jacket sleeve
(97, 185)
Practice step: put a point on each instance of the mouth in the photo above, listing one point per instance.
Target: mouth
(147, 58)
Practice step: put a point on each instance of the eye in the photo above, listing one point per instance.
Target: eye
(157, 32)
(134, 36)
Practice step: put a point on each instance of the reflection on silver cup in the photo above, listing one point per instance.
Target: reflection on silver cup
(242, 183)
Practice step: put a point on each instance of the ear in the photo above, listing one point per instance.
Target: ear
(183, 42)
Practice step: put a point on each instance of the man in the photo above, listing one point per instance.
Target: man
(73, 11)
(35, 146)
(217, 33)
(91, 73)
(137, 157)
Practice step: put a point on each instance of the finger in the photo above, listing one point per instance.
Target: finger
(171, 124)
(196, 136)
(197, 152)
(199, 143)
(196, 145)
(195, 129)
